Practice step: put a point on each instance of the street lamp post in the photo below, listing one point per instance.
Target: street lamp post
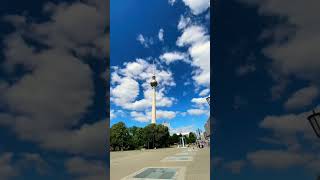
(314, 120)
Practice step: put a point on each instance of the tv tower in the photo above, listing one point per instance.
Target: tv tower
(153, 84)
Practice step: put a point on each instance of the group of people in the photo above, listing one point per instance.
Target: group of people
(202, 144)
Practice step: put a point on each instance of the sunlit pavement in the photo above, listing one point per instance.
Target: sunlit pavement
(126, 163)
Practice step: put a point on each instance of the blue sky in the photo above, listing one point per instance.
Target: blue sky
(266, 83)
(146, 31)
(53, 70)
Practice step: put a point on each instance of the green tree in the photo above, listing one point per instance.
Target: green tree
(162, 136)
(192, 137)
(186, 139)
(174, 139)
(119, 136)
(137, 137)
(156, 136)
(149, 135)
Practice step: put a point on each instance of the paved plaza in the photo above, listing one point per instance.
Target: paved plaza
(189, 164)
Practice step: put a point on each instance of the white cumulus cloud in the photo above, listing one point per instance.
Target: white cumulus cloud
(170, 57)
(161, 34)
(204, 92)
(171, 2)
(182, 130)
(197, 6)
(145, 41)
(131, 90)
(198, 42)
(183, 22)
(197, 112)
(302, 98)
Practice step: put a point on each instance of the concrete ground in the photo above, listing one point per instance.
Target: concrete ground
(128, 162)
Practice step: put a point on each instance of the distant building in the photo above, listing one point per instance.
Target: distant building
(207, 129)
(207, 125)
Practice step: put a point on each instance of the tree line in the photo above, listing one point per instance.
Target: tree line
(150, 137)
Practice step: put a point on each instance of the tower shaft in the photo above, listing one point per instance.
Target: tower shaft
(153, 120)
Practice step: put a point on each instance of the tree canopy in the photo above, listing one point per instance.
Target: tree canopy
(151, 136)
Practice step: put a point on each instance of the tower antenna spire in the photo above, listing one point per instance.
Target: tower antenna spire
(154, 68)
(153, 84)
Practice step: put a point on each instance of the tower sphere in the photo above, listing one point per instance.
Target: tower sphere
(153, 82)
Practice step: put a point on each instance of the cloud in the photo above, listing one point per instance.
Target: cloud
(116, 113)
(141, 39)
(45, 104)
(199, 101)
(84, 169)
(134, 77)
(146, 116)
(161, 34)
(205, 92)
(293, 48)
(192, 35)
(277, 159)
(145, 41)
(287, 124)
(16, 165)
(112, 114)
(200, 107)
(286, 134)
(187, 83)
(89, 140)
(197, 6)
(198, 42)
(197, 112)
(182, 130)
(170, 57)
(140, 116)
(171, 2)
(302, 98)
(161, 114)
(120, 93)
(293, 133)
(183, 22)
(65, 28)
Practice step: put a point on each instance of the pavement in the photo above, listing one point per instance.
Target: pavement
(126, 163)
